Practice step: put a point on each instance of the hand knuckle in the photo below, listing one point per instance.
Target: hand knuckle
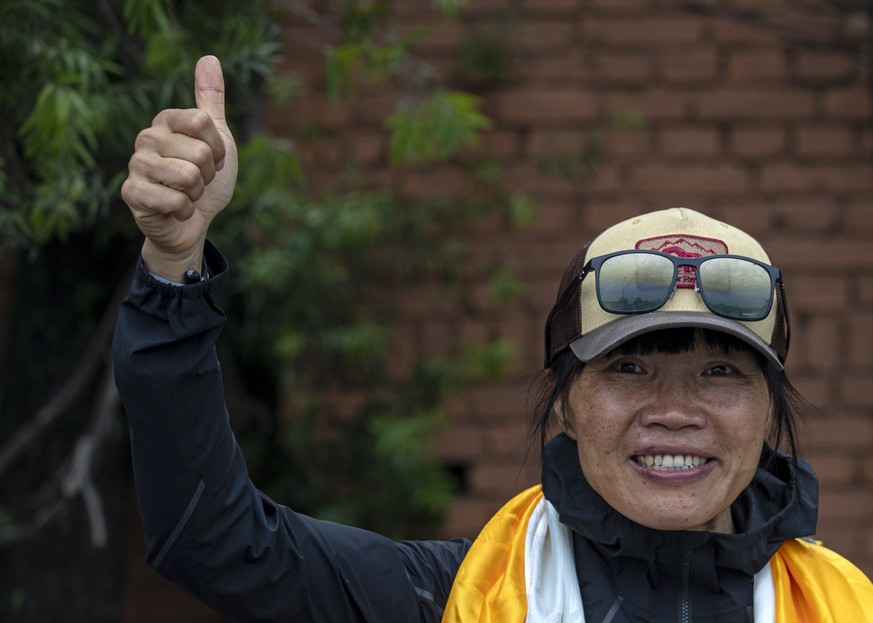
(177, 202)
(200, 120)
(202, 155)
(189, 175)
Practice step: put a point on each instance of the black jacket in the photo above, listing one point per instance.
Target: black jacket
(209, 529)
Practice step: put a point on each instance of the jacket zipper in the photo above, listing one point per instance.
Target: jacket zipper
(685, 591)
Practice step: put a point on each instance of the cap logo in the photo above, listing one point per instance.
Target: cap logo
(686, 246)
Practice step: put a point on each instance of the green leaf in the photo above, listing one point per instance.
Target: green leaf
(450, 8)
(505, 286)
(522, 209)
(436, 128)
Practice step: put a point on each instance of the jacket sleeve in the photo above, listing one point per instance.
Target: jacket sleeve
(206, 526)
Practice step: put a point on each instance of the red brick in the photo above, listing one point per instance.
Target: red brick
(542, 36)
(820, 343)
(554, 142)
(820, 255)
(811, 293)
(604, 178)
(428, 182)
(474, 331)
(618, 143)
(690, 142)
(555, 70)
(625, 69)
(598, 216)
(841, 434)
(820, 67)
(689, 67)
(529, 258)
(467, 515)
(441, 35)
(866, 140)
(636, 7)
(835, 470)
(652, 105)
(763, 103)
(758, 141)
(555, 217)
(637, 33)
(789, 176)
(862, 557)
(732, 32)
(757, 66)
(866, 472)
(859, 216)
(856, 390)
(839, 533)
(680, 180)
(837, 505)
(496, 144)
(420, 301)
(494, 478)
(438, 339)
(312, 109)
(496, 402)
(461, 443)
(810, 213)
(848, 103)
(821, 24)
(814, 389)
(368, 148)
(509, 441)
(374, 108)
(544, 105)
(816, 141)
(860, 352)
(326, 151)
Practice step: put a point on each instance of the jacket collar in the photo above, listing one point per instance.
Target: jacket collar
(780, 504)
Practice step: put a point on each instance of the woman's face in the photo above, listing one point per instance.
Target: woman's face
(670, 440)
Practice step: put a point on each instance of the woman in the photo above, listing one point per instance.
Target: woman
(660, 498)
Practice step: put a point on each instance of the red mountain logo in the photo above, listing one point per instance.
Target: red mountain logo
(684, 245)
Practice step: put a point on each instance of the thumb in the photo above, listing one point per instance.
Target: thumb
(209, 88)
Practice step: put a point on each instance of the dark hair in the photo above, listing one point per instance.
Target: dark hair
(555, 382)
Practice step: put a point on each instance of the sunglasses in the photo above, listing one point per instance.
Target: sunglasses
(641, 281)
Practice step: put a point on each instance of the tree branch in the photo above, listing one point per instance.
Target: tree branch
(76, 383)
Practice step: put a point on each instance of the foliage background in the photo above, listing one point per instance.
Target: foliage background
(82, 79)
(758, 113)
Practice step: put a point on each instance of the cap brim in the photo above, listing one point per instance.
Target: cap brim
(603, 339)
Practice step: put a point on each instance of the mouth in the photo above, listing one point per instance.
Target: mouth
(670, 462)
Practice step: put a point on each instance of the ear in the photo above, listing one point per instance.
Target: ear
(565, 420)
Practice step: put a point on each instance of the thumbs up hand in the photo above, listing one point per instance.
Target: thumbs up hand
(181, 175)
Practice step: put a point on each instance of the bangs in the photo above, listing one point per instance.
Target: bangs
(682, 340)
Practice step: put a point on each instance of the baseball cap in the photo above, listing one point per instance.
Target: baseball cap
(581, 324)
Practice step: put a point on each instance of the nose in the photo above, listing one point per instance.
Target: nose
(673, 404)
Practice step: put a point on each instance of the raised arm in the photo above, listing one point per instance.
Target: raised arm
(206, 526)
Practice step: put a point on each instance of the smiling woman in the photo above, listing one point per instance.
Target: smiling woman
(663, 498)
(670, 439)
(665, 378)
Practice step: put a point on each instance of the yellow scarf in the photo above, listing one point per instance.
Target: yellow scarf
(811, 583)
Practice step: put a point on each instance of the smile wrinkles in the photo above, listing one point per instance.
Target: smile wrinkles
(670, 462)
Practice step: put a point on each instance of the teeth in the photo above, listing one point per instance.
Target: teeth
(670, 462)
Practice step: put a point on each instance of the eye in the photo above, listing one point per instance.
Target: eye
(628, 367)
(720, 370)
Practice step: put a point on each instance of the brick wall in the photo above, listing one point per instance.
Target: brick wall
(755, 113)
(758, 113)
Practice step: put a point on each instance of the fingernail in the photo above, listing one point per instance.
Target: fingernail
(219, 165)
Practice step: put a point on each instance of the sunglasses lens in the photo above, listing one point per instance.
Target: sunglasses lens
(635, 282)
(736, 288)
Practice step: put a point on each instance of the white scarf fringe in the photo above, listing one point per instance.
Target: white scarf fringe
(550, 574)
